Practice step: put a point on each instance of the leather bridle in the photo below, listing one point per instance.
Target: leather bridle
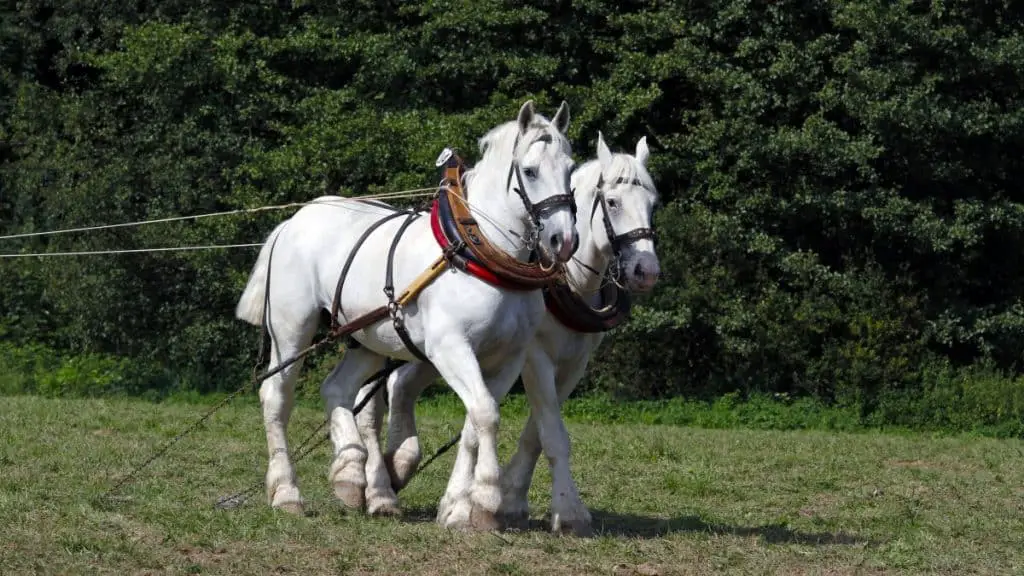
(618, 241)
(540, 209)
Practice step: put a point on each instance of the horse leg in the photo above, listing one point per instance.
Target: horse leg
(277, 395)
(457, 364)
(380, 497)
(403, 448)
(568, 513)
(347, 472)
(456, 506)
(516, 476)
(546, 430)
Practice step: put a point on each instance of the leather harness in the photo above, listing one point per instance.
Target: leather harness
(463, 246)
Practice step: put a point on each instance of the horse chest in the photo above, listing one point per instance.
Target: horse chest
(513, 323)
(563, 345)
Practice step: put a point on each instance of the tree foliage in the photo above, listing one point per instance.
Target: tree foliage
(841, 218)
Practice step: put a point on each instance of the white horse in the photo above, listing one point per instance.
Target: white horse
(616, 197)
(473, 332)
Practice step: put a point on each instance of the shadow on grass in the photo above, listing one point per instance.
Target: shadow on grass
(631, 526)
(628, 525)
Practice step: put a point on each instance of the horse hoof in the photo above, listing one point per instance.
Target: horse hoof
(350, 494)
(386, 511)
(286, 498)
(383, 507)
(578, 529)
(401, 470)
(516, 521)
(454, 514)
(483, 520)
(295, 508)
(397, 482)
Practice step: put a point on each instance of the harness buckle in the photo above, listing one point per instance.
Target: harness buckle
(452, 249)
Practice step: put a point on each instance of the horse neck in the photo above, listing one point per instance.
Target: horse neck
(588, 255)
(497, 210)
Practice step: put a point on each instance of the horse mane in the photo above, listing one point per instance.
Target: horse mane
(623, 166)
(496, 145)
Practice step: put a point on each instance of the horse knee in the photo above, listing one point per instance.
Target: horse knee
(485, 417)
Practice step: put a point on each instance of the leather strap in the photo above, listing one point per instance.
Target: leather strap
(455, 251)
(336, 303)
(540, 209)
(394, 307)
(617, 241)
(357, 324)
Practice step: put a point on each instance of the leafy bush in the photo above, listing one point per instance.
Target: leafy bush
(842, 219)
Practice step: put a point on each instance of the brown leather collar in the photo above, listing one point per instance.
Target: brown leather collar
(576, 313)
(527, 274)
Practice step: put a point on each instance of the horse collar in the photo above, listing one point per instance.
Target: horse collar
(467, 248)
(576, 314)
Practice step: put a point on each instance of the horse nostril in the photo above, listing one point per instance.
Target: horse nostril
(556, 243)
(638, 271)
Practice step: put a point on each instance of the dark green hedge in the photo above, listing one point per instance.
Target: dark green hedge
(842, 179)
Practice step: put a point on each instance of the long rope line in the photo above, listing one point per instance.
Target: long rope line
(412, 193)
(132, 251)
(404, 194)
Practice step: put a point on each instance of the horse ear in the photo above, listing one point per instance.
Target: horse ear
(642, 152)
(562, 117)
(604, 155)
(526, 113)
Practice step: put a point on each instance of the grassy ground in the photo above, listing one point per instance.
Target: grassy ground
(665, 500)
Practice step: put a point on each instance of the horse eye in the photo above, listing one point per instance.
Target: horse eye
(529, 173)
(613, 203)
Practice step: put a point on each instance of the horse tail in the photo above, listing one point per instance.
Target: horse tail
(252, 305)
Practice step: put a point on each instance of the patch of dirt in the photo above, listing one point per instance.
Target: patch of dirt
(202, 556)
(645, 569)
(961, 466)
(835, 571)
(913, 464)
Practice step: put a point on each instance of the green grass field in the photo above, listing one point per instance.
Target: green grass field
(665, 500)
